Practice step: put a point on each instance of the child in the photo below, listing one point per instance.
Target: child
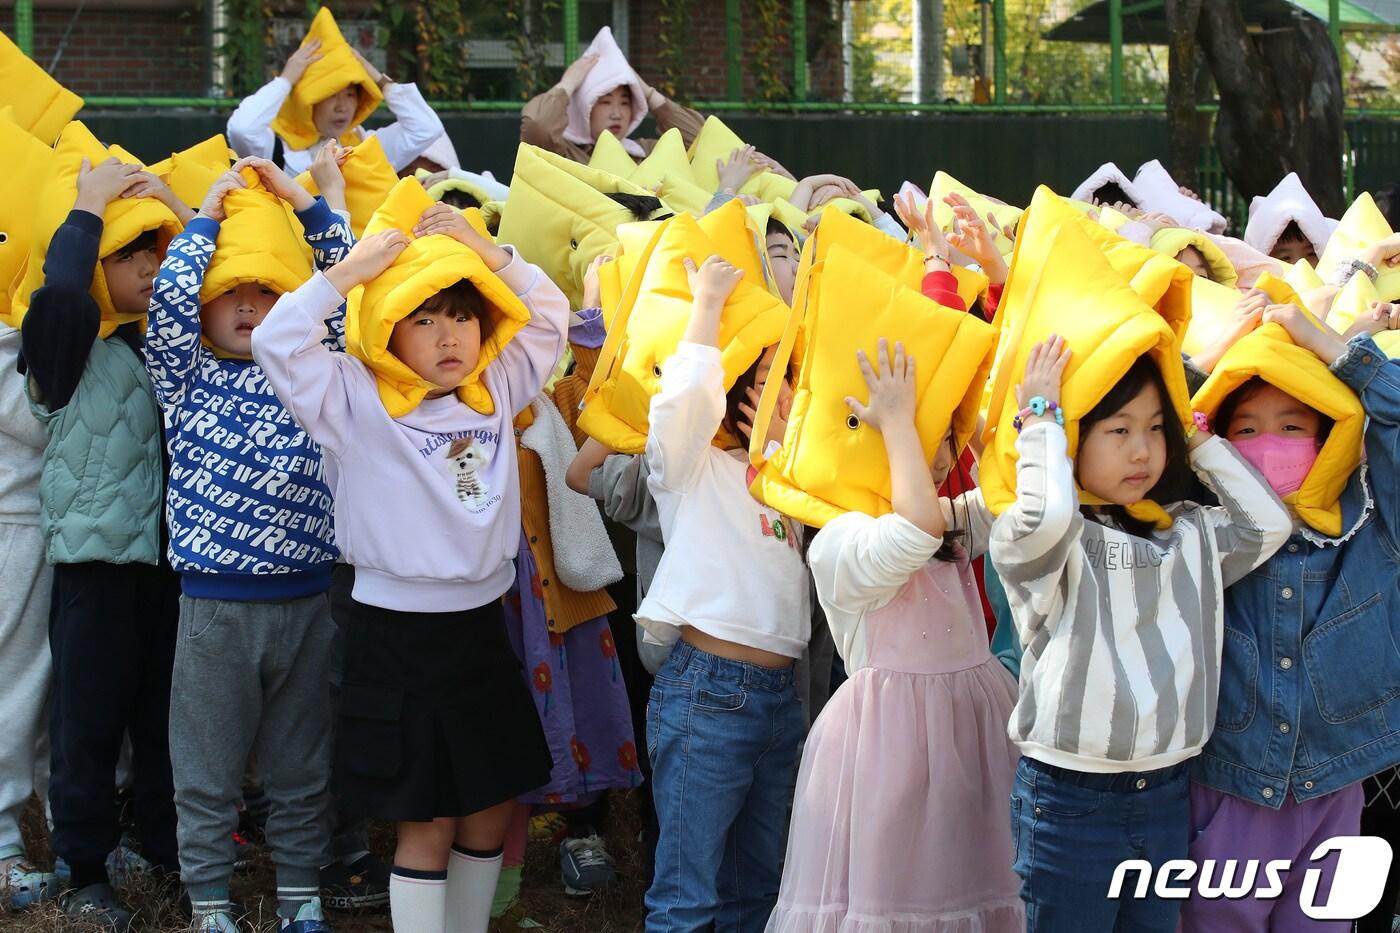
(335, 117)
(1308, 695)
(453, 336)
(251, 537)
(557, 615)
(113, 613)
(1121, 625)
(26, 667)
(600, 93)
(1287, 224)
(914, 745)
(724, 722)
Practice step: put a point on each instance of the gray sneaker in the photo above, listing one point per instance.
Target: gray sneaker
(585, 865)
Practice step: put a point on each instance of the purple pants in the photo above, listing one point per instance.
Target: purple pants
(1225, 827)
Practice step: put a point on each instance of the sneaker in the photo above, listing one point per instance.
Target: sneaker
(217, 921)
(97, 904)
(309, 919)
(21, 884)
(585, 865)
(357, 886)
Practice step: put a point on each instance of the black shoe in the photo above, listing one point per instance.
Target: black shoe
(355, 887)
(97, 904)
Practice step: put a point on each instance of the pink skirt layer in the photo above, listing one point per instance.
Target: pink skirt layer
(901, 823)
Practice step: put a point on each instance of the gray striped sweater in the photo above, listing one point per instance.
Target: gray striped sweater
(1122, 634)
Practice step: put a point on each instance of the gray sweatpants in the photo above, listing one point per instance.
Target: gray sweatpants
(251, 677)
(26, 669)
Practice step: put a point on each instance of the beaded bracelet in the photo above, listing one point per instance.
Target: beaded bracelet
(1037, 408)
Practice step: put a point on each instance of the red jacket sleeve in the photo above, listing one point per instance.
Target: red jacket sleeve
(942, 287)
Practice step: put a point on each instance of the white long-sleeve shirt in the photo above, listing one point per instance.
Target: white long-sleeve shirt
(1123, 634)
(427, 506)
(860, 564)
(250, 126)
(731, 567)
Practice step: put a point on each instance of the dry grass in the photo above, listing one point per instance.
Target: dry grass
(616, 910)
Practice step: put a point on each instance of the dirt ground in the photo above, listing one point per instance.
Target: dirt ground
(542, 898)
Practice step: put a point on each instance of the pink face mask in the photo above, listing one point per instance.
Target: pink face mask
(1284, 461)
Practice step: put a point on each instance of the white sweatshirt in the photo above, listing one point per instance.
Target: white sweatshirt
(427, 506)
(250, 126)
(23, 439)
(731, 567)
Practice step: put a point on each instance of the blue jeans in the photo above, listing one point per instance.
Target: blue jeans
(723, 740)
(1071, 830)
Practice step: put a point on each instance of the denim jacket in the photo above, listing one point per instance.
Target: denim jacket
(1310, 679)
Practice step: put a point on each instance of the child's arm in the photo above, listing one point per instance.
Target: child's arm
(969, 514)
(309, 379)
(546, 116)
(619, 485)
(64, 320)
(173, 327)
(529, 359)
(939, 283)
(415, 126)
(689, 409)
(668, 114)
(250, 125)
(1031, 541)
(1250, 523)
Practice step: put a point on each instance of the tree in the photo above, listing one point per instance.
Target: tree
(1280, 93)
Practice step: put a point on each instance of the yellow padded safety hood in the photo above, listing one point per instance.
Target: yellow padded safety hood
(427, 266)
(41, 105)
(1271, 355)
(1212, 314)
(337, 69)
(1172, 240)
(1361, 226)
(717, 141)
(27, 164)
(1005, 214)
(1352, 302)
(829, 463)
(1061, 283)
(259, 243)
(1159, 280)
(484, 189)
(667, 172)
(256, 244)
(651, 319)
(609, 156)
(125, 220)
(191, 172)
(368, 180)
(559, 216)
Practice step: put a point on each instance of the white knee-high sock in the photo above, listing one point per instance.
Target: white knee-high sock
(471, 889)
(418, 900)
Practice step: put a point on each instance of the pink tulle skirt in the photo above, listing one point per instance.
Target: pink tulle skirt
(901, 822)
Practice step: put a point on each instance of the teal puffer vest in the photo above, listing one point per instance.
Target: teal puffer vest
(101, 489)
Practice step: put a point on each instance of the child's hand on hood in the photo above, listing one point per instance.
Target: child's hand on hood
(447, 220)
(367, 260)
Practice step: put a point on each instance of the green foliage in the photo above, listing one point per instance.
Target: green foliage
(769, 57)
(243, 44)
(427, 38)
(530, 23)
(673, 17)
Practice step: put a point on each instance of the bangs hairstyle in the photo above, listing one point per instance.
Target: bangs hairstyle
(459, 199)
(461, 297)
(1176, 474)
(1112, 193)
(1293, 234)
(778, 228)
(145, 241)
(1226, 412)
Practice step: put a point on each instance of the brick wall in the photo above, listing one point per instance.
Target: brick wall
(159, 49)
(704, 55)
(129, 53)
